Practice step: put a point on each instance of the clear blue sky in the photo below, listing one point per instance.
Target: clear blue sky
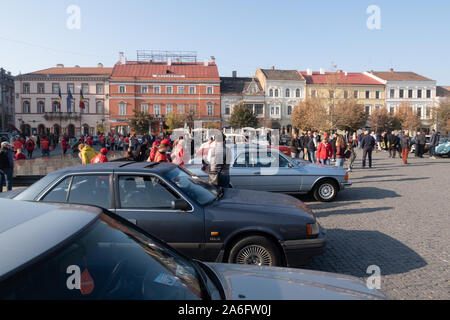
(242, 34)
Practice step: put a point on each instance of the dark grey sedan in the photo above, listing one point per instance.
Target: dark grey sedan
(200, 220)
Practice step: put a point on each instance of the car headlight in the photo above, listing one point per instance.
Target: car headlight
(346, 176)
(312, 229)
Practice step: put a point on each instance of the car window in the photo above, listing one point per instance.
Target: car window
(147, 192)
(36, 188)
(59, 192)
(92, 190)
(109, 261)
(260, 159)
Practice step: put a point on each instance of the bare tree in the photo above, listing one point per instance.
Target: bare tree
(310, 114)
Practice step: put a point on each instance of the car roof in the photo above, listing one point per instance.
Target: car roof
(28, 230)
(119, 166)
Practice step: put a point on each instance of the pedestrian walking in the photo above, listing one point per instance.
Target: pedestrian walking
(341, 148)
(295, 146)
(434, 142)
(29, 145)
(6, 166)
(405, 143)
(219, 157)
(353, 143)
(367, 144)
(420, 144)
(394, 143)
(45, 147)
(324, 151)
(178, 154)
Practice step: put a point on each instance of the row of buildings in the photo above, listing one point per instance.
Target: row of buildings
(159, 85)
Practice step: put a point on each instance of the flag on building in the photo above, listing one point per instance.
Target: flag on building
(82, 105)
(59, 99)
(69, 102)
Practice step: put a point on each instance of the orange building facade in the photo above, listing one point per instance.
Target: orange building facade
(189, 89)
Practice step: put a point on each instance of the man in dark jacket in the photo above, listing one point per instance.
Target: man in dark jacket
(367, 144)
(434, 142)
(301, 145)
(6, 166)
(405, 144)
(310, 147)
(295, 146)
(420, 144)
(394, 142)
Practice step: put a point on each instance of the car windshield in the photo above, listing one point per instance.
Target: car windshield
(110, 260)
(192, 186)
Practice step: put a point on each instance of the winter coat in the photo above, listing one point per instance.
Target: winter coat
(87, 154)
(324, 151)
(405, 142)
(367, 142)
(161, 157)
(100, 158)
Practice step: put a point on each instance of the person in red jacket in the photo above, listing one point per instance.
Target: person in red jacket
(101, 157)
(29, 145)
(161, 154)
(324, 151)
(19, 155)
(45, 147)
(155, 146)
(64, 145)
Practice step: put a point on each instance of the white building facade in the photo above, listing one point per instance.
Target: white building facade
(412, 88)
(37, 107)
(283, 90)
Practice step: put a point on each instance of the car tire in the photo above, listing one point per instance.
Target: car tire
(325, 190)
(255, 250)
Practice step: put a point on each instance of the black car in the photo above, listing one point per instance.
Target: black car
(64, 252)
(198, 219)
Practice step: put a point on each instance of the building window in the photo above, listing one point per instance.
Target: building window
(368, 109)
(144, 108)
(419, 94)
(122, 109)
(271, 93)
(331, 94)
(55, 88)
(227, 110)
(26, 107)
(157, 90)
(410, 94)
(367, 94)
(99, 88)
(209, 90)
(289, 110)
(56, 107)
(392, 93)
(428, 94)
(210, 109)
(191, 90)
(169, 90)
(122, 89)
(427, 112)
(297, 93)
(169, 108)
(259, 109)
(288, 93)
(274, 110)
(86, 107)
(193, 108)
(71, 88)
(392, 110)
(26, 87)
(99, 107)
(419, 112)
(180, 90)
(144, 89)
(345, 94)
(355, 94)
(276, 93)
(180, 108)
(157, 110)
(41, 88)
(377, 94)
(41, 107)
(85, 87)
(400, 93)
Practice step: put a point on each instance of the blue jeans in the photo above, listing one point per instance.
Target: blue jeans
(312, 156)
(432, 151)
(324, 161)
(7, 173)
(340, 162)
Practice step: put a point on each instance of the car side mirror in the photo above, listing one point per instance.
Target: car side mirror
(182, 205)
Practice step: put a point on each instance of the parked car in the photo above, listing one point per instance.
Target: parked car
(200, 220)
(87, 253)
(270, 170)
(443, 149)
(427, 144)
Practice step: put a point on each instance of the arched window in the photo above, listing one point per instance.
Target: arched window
(289, 110)
(297, 93)
(26, 107)
(271, 93)
(288, 93)
(276, 92)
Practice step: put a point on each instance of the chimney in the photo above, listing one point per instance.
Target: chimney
(234, 74)
(205, 62)
(100, 65)
(213, 59)
(309, 72)
(346, 73)
(60, 65)
(122, 58)
(322, 71)
(339, 71)
(391, 70)
(169, 61)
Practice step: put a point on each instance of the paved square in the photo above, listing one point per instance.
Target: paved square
(396, 217)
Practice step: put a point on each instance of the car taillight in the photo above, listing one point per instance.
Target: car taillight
(346, 176)
(312, 229)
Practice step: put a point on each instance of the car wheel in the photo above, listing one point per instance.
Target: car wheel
(255, 250)
(325, 191)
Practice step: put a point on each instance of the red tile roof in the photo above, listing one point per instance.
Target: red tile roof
(74, 71)
(352, 78)
(147, 70)
(443, 91)
(399, 76)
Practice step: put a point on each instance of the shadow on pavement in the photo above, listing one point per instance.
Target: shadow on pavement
(392, 180)
(366, 193)
(352, 251)
(350, 211)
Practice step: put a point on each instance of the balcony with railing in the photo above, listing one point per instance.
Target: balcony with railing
(62, 115)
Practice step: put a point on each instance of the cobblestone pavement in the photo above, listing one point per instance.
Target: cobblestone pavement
(396, 217)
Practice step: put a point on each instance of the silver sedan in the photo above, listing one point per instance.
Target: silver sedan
(270, 170)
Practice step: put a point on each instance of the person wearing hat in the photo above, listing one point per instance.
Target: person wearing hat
(101, 157)
(86, 153)
(155, 146)
(161, 154)
(6, 165)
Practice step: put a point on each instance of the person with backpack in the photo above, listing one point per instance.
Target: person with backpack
(6, 166)
(29, 145)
